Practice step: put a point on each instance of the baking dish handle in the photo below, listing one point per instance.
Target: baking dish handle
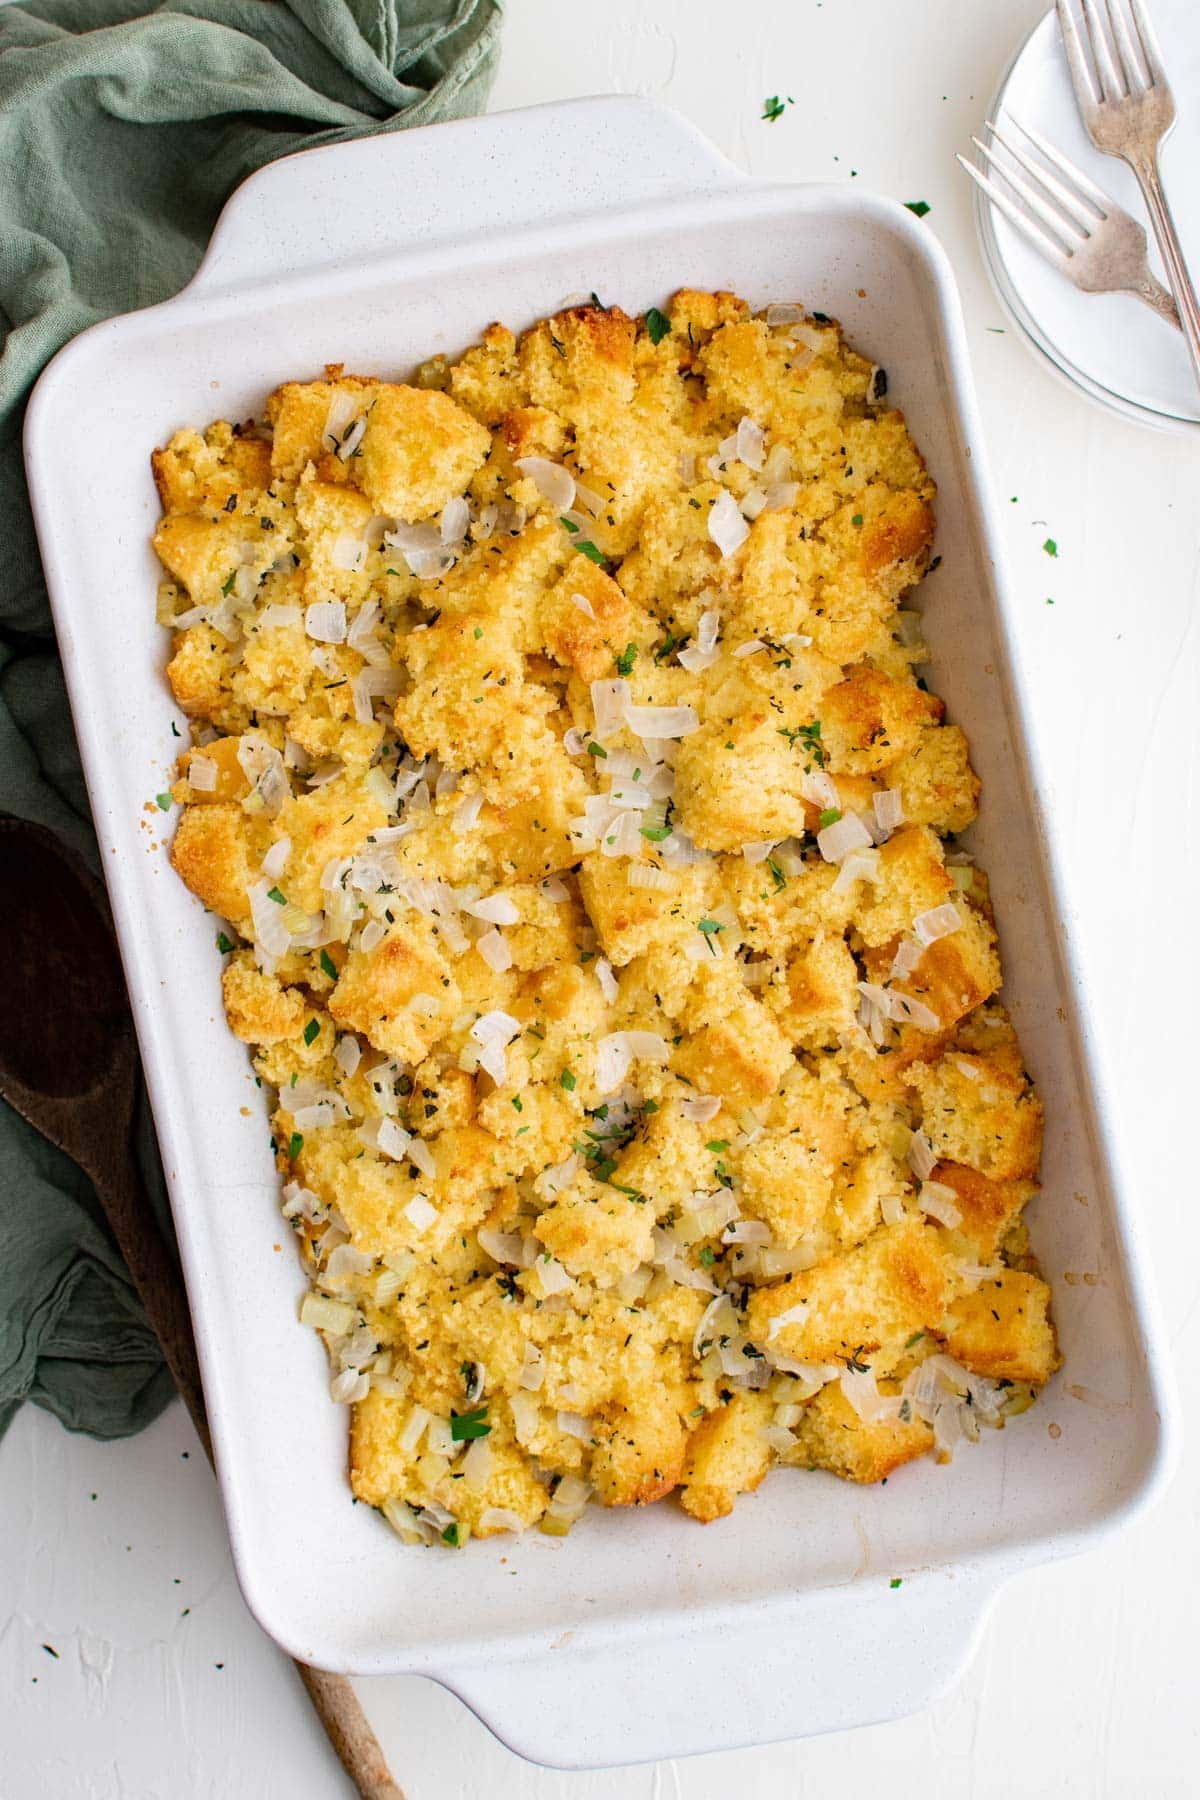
(847, 1657)
(305, 212)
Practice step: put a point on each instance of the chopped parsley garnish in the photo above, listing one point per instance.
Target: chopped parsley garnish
(914, 1339)
(517, 1103)
(718, 1146)
(569, 525)
(224, 944)
(809, 739)
(655, 833)
(829, 816)
(774, 107)
(657, 325)
(275, 895)
(329, 967)
(469, 1425)
(595, 749)
(1050, 547)
(478, 631)
(707, 1258)
(312, 1031)
(567, 1080)
(450, 1535)
(626, 659)
(295, 1145)
(920, 207)
(586, 548)
(709, 926)
(857, 519)
(777, 874)
(227, 584)
(163, 802)
(895, 1581)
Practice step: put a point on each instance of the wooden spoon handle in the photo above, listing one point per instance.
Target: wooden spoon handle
(157, 1278)
(153, 1270)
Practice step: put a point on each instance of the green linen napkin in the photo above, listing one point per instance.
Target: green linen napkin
(122, 133)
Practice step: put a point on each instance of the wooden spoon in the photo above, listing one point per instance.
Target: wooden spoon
(69, 1064)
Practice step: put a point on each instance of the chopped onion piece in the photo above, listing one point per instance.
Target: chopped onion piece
(420, 1213)
(325, 621)
(392, 1139)
(496, 909)
(585, 606)
(606, 978)
(907, 1011)
(348, 1055)
(466, 814)
(783, 312)
(202, 774)
(888, 806)
(610, 700)
(456, 516)
(937, 923)
(617, 1051)
(695, 660)
(494, 949)
(726, 526)
(922, 1158)
(661, 721)
(757, 853)
(552, 481)
(750, 444)
(501, 1246)
(751, 647)
(859, 865)
(938, 1200)
(573, 1424)
(554, 890)
(861, 1390)
(552, 1275)
(370, 685)
(848, 833)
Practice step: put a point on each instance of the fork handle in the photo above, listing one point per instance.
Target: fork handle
(1146, 170)
(1158, 298)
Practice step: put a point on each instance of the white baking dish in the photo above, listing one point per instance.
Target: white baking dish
(643, 1634)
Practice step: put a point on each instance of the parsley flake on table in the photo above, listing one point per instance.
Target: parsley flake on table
(1050, 547)
(163, 802)
(774, 106)
(920, 207)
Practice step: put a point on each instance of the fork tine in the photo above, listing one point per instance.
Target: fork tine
(1135, 80)
(1038, 206)
(1111, 84)
(1077, 60)
(1067, 198)
(1073, 173)
(1041, 240)
(1148, 44)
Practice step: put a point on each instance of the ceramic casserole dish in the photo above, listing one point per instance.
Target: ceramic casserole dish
(642, 1634)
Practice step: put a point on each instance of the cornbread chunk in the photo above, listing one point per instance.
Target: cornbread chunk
(582, 837)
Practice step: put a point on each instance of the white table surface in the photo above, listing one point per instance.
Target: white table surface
(115, 1556)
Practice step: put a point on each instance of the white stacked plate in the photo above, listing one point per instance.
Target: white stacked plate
(1110, 345)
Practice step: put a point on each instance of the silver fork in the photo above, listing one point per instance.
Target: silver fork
(1082, 231)
(1127, 108)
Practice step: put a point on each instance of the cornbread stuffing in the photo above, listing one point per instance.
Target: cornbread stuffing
(585, 840)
